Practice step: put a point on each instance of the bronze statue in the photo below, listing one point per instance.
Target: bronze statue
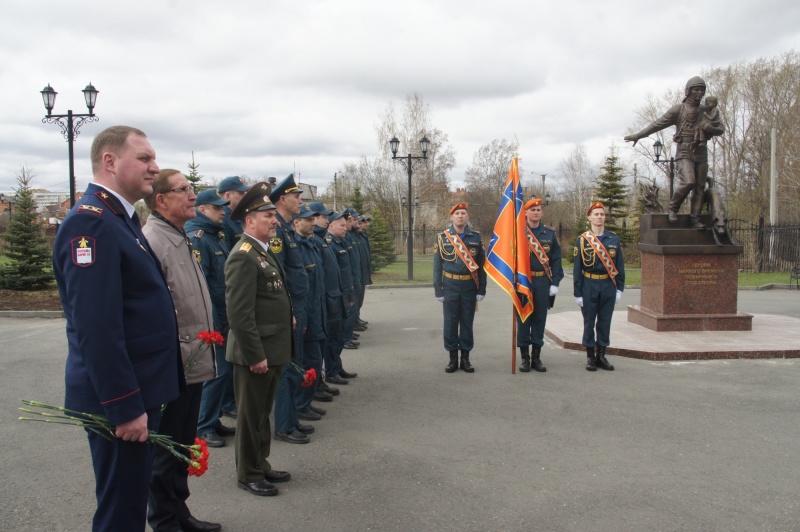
(652, 204)
(695, 124)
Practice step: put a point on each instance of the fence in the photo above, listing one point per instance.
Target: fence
(767, 248)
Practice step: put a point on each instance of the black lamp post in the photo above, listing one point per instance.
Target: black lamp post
(658, 149)
(70, 127)
(335, 174)
(394, 144)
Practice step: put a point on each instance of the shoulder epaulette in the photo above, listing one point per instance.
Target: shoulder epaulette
(106, 198)
(90, 208)
(611, 232)
(328, 238)
(246, 247)
(550, 227)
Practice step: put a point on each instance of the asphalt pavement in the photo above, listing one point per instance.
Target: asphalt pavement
(704, 445)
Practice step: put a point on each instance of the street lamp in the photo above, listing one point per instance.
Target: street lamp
(394, 144)
(658, 149)
(334, 190)
(70, 128)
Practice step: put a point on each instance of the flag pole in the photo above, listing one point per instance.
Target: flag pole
(513, 339)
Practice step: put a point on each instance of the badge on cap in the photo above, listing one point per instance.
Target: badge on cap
(83, 251)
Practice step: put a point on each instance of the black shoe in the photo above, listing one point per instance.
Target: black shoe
(345, 375)
(292, 437)
(350, 345)
(259, 487)
(190, 524)
(525, 367)
(277, 476)
(323, 397)
(591, 361)
(222, 430)
(465, 365)
(602, 363)
(536, 359)
(355, 336)
(323, 386)
(309, 415)
(338, 380)
(355, 343)
(304, 429)
(453, 365)
(213, 439)
(359, 321)
(317, 410)
(360, 328)
(231, 414)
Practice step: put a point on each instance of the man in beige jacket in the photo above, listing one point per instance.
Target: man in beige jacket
(172, 204)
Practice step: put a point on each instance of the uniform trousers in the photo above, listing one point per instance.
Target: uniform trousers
(211, 405)
(531, 331)
(332, 348)
(286, 414)
(169, 483)
(255, 396)
(312, 359)
(459, 313)
(122, 475)
(599, 296)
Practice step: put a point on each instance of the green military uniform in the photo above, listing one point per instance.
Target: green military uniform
(260, 316)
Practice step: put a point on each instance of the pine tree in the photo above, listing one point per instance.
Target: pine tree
(193, 176)
(381, 242)
(357, 200)
(26, 244)
(611, 190)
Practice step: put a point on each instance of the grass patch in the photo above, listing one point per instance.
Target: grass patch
(760, 279)
(397, 272)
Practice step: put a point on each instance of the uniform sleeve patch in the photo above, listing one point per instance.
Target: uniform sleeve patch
(84, 251)
(90, 208)
(197, 255)
(199, 233)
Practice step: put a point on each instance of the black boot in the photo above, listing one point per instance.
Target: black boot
(453, 365)
(525, 367)
(465, 365)
(536, 359)
(602, 363)
(591, 361)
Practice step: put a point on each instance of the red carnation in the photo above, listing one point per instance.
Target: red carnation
(309, 378)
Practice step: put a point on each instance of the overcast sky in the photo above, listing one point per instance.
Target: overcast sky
(262, 88)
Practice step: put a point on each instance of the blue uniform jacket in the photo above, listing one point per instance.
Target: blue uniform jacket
(355, 259)
(366, 260)
(340, 248)
(122, 333)
(284, 247)
(211, 251)
(233, 229)
(315, 297)
(333, 278)
(586, 261)
(547, 238)
(445, 259)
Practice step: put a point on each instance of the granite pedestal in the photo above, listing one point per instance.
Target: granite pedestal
(689, 282)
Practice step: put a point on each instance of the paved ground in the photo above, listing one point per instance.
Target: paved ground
(708, 445)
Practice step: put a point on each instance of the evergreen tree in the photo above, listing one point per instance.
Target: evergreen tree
(26, 244)
(357, 200)
(611, 190)
(381, 242)
(193, 176)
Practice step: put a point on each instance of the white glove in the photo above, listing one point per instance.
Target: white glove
(440, 299)
(579, 301)
(479, 297)
(553, 290)
(619, 296)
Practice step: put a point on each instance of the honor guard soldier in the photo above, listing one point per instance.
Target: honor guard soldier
(546, 273)
(459, 282)
(211, 250)
(286, 198)
(119, 365)
(260, 339)
(599, 279)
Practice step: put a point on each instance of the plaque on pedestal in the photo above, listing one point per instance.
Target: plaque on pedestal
(689, 282)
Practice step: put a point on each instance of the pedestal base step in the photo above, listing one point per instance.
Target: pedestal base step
(689, 322)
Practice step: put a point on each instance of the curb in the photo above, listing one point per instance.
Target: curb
(31, 314)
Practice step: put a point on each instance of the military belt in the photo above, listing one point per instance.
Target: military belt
(596, 276)
(538, 274)
(458, 277)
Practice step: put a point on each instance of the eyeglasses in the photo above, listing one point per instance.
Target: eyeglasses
(186, 189)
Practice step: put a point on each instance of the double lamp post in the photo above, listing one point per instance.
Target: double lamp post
(70, 127)
(407, 160)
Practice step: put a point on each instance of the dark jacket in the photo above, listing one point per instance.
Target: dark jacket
(445, 259)
(211, 250)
